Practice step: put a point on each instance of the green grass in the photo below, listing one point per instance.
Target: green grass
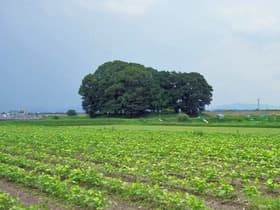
(198, 129)
(238, 121)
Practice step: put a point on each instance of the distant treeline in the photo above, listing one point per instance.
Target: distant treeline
(130, 89)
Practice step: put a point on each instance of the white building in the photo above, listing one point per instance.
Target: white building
(19, 115)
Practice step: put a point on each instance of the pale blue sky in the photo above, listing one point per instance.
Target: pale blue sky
(47, 47)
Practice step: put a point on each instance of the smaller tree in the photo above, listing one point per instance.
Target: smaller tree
(71, 112)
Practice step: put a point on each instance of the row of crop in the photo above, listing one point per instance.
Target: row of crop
(52, 185)
(191, 165)
(194, 184)
(88, 174)
(152, 194)
(216, 165)
(7, 202)
(206, 184)
(211, 182)
(163, 155)
(179, 158)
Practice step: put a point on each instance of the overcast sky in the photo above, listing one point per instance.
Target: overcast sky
(47, 47)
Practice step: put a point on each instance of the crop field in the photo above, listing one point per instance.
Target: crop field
(118, 167)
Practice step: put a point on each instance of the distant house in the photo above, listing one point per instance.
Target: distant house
(19, 115)
(3, 115)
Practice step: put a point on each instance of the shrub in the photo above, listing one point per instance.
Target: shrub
(182, 117)
(71, 112)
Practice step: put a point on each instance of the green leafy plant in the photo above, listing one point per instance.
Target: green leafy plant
(251, 191)
(226, 190)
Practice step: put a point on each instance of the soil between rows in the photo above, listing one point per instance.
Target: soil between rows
(31, 198)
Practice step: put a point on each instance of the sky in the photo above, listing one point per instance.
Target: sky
(47, 47)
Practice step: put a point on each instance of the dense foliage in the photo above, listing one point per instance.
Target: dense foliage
(121, 88)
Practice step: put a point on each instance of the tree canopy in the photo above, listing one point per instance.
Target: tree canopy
(71, 112)
(130, 89)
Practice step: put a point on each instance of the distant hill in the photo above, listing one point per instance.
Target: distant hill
(239, 106)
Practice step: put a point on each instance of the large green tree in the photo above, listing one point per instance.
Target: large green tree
(121, 88)
(118, 88)
(188, 92)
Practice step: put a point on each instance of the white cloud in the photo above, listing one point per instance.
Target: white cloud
(243, 72)
(251, 16)
(123, 7)
(129, 7)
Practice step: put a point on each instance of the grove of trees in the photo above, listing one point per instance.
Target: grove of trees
(130, 89)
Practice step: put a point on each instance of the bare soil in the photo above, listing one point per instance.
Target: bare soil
(119, 204)
(28, 198)
(33, 197)
(224, 205)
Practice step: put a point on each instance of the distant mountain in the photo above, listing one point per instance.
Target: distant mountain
(239, 106)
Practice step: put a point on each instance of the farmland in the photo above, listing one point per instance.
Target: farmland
(142, 167)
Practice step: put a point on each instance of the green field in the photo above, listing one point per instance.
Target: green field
(143, 163)
(264, 119)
